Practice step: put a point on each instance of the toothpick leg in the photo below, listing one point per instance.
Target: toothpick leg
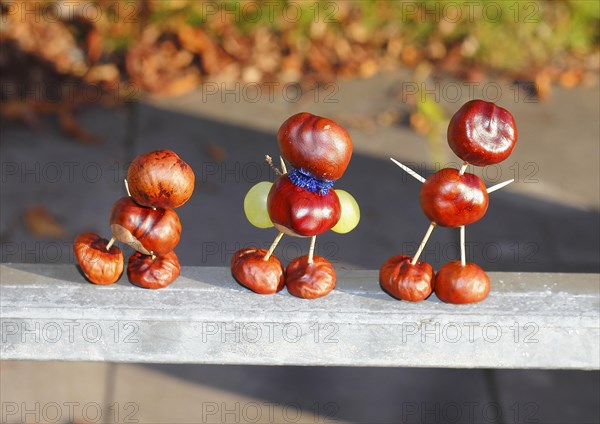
(463, 260)
(423, 243)
(273, 246)
(311, 249)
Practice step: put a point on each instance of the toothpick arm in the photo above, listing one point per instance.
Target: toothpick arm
(409, 171)
(499, 186)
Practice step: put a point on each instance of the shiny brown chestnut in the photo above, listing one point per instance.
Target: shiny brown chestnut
(99, 264)
(153, 272)
(251, 270)
(310, 280)
(482, 133)
(299, 212)
(453, 200)
(318, 146)
(455, 283)
(160, 179)
(146, 230)
(403, 280)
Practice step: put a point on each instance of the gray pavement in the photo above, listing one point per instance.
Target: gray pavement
(547, 221)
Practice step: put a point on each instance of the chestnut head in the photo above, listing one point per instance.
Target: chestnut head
(160, 179)
(99, 265)
(482, 133)
(316, 145)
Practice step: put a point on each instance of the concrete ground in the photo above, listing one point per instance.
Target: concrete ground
(546, 221)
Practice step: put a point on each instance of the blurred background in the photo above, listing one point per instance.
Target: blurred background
(88, 85)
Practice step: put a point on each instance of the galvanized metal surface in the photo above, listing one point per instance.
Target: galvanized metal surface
(49, 312)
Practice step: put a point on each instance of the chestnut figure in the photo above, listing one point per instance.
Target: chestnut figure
(160, 179)
(316, 145)
(99, 264)
(299, 212)
(403, 280)
(251, 270)
(453, 200)
(310, 280)
(457, 283)
(153, 272)
(300, 203)
(482, 133)
(149, 231)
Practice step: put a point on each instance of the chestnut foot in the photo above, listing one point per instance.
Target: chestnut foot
(153, 273)
(310, 281)
(455, 283)
(251, 270)
(403, 280)
(99, 265)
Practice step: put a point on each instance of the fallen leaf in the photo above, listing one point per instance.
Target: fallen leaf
(69, 124)
(216, 152)
(40, 222)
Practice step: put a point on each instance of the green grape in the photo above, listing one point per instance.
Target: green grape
(255, 205)
(350, 213)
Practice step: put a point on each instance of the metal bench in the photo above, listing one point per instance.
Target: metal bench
(48, 312)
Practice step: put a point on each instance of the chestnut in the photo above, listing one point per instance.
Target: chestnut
(149, 231)
(482, 133)
(310, 280)
(453, 200)
(316, 145)
(299, 212)
(403, 280)
(153, 272)
(160, 179)
(251, 270)
(457, 283)
(99, 263)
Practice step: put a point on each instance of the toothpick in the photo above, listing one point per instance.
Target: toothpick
(423, 243)
(408, 170)
(283, 168)
(499, 186)
(127, 187)
(311, 249)
(273, 246)
(269, 160)
(110, 243)
(463, 168)
(463, 260)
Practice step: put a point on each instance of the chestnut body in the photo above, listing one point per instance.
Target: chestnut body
(310, 280)
(399, 278)
(251, 270)
(100, 266)
(160, 179)
(153, 273)
(299, 212)
(146, 230)
(453, 200)
(459, 284)
(482, 133)
(317, 145)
